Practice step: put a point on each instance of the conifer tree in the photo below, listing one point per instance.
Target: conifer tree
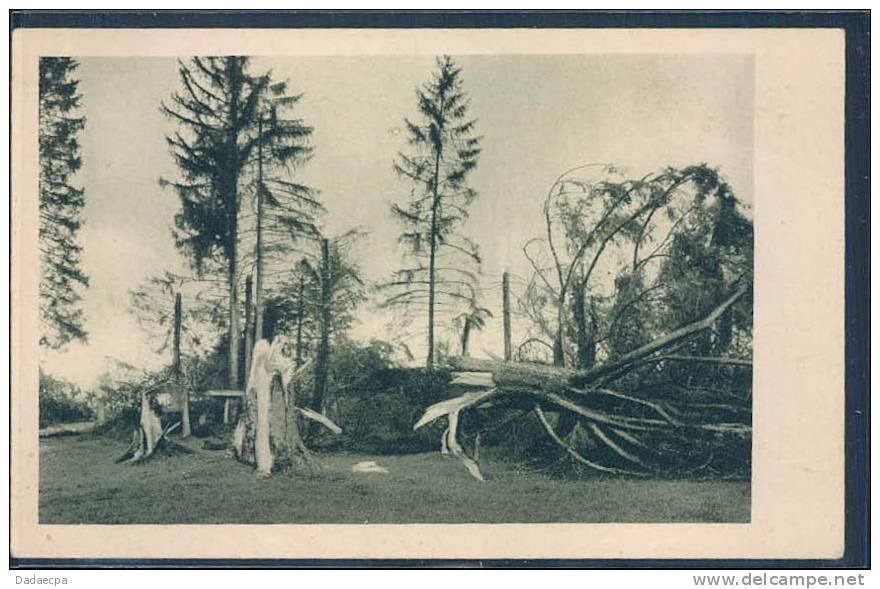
(442, 151)
(221, 107)
(61, 204)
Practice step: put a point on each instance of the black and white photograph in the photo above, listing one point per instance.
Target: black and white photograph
(427, 283)
(447, 289)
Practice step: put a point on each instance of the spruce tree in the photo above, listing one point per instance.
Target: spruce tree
(442, 151)
(220, 108)
(61, 204)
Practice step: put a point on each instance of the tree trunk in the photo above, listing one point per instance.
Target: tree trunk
(300, 316)
(520, 374)
(230, 184)
(292, 435)
(724, 329)
(432, 268)
(584, 328)
(252, 437)
(558, 343)
(630, 432)
(258, 295)
(465, 336)
(182, 390)
(322, 361)
(261, 384)
(149, 435)
(567, 421)
(267, 434)
(665, 341)
(233, 326)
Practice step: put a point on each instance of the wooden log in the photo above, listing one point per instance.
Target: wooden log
(229, 397)
(481, 380)
(224, 393)
(518, 374)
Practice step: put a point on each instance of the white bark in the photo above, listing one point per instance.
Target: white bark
(451, 409)
(260, 388)
(265, 424)
(147, 437)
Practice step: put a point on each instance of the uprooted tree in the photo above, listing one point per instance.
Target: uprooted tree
(661, 345)
(640, 426)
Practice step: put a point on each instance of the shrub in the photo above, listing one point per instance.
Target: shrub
(379, 417)
(61, 402)
(376, 403)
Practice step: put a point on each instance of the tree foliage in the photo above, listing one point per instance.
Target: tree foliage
(227, 117)
(442, 152)
(624, 259)
(61, 204)
(62, 401)
(294, 308)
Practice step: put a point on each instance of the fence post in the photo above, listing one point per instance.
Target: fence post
(505, 287)
(182, 390)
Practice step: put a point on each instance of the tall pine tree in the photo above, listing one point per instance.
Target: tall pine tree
(443, 150)
(61, 203)
(220, 108)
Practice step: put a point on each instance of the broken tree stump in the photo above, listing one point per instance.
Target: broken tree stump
(148, 436)
(267, 434)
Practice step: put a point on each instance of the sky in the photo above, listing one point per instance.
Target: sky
(538, 114)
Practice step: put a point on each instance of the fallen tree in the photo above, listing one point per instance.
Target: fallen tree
(630, 426)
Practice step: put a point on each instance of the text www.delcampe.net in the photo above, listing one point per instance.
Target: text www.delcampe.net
(782, 580)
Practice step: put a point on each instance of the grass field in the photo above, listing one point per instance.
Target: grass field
(81, 484)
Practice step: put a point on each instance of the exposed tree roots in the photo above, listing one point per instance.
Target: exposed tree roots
(622, 426)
